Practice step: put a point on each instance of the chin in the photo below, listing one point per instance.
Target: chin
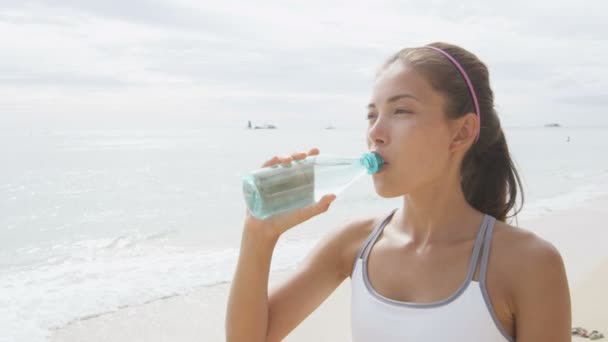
(389, 195)
(385, 191)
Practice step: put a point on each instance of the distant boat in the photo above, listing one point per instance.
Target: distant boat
(265, 126)
(551, 125)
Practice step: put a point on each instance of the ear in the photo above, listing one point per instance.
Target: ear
(464, 131)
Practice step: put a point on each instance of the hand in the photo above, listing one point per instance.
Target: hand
(278, 224)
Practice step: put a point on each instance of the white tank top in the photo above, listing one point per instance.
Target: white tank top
(466, 315)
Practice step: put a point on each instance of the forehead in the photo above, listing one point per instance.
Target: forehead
(401, 78)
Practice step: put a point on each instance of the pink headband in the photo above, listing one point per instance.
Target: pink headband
(469, 84)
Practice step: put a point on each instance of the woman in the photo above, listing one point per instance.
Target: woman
(443, 267)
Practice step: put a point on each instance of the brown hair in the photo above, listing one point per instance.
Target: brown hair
(489, 179)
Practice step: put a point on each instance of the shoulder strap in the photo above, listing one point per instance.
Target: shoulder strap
(486, 250)
(363, 251)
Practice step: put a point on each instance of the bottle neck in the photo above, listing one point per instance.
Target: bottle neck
(330, 160)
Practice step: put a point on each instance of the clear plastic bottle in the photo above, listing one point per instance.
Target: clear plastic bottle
(272, 190)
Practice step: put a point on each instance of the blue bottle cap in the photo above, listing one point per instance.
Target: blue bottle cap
(372, 161)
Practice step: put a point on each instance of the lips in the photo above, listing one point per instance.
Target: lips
(383, 157)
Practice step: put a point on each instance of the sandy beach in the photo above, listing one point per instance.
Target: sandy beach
(579, 233)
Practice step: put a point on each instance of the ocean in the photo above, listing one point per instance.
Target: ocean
(95, 220)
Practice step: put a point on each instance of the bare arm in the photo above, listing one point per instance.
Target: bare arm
(542, 311)
(321, 272)
(255, 315)
(249, 315)
(247, 311)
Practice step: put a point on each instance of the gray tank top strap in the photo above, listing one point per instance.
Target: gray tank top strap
(477, 248)
(486, 250)
(374, 235)
(482, 278)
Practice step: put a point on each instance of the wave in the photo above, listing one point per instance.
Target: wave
(111, 274)
(595, 185)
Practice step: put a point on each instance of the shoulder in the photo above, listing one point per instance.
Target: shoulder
(527, 260)
(535, 276)
(523, 247)
(346, 239)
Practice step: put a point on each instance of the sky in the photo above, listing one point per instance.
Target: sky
(186, 63)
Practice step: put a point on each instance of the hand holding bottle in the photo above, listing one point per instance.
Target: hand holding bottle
(278, 224)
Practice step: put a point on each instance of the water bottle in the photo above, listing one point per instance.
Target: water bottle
(276, 189)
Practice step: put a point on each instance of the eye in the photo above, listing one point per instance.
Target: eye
(403, 111)
(371, 116)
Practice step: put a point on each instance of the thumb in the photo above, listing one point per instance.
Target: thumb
(322, 205)
(289, 220)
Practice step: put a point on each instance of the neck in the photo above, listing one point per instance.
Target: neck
(438, 213)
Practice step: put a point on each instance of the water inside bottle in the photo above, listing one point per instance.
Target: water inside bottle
(273, 190)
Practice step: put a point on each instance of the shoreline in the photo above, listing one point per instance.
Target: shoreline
(200, 314)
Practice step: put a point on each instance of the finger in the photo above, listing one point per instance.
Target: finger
(298, 155)
(326, 201)
(292, 219)
(313, 151)
(274, 160)
(286, 160)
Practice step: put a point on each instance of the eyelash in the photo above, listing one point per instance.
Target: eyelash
(371, 116)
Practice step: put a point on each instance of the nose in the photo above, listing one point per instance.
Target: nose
(377, 134)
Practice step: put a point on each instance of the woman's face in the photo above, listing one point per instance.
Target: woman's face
(407, 126)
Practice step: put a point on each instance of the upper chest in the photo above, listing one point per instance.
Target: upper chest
(407, 274)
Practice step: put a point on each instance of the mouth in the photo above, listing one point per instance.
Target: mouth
(382, 156)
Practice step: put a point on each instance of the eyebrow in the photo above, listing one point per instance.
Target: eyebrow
(395, 98)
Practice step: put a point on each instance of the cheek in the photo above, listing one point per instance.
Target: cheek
(426, 159)
(433, 162)
(418, 162)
